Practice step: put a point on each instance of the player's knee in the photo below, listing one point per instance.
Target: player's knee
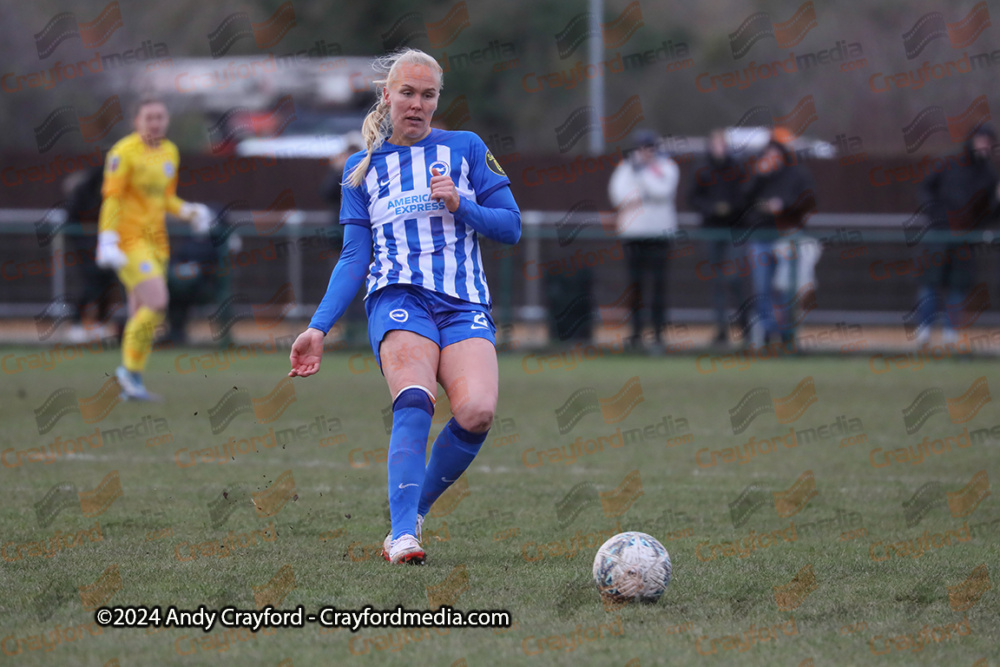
(158, 304)
(475, 414)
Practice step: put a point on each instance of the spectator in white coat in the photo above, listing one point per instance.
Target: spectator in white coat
(643, 189)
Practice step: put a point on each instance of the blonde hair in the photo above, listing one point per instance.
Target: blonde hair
(378, 124)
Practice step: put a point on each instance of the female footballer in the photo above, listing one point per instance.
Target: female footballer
(419, 198)
(140, 186)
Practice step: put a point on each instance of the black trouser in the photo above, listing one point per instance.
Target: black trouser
(648, 257)
(949, 269)
(98, 284)
(724, 253)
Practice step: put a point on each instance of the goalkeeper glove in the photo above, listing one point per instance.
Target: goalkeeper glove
(109, 255)
(199, 215)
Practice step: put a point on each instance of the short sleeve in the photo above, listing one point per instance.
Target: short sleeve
(354, 201)
(116, 172)
(485, 173)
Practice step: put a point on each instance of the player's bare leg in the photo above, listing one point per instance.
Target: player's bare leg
(151, 293)
(470, 376)
(468, 371)
(408, 360)
(409, 363)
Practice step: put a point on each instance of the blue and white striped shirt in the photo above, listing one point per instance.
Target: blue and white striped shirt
(416, 240)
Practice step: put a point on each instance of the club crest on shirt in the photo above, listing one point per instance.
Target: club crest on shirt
(443, 168)
(113, 163)
(492, 163)
(168, 169)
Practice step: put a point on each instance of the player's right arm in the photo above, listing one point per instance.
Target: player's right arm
(117, 169)
(346, 279)
(116, 175)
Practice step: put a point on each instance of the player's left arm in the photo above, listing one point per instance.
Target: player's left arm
(497, 218)
(199, 215)
(173, 203)
(496, 215)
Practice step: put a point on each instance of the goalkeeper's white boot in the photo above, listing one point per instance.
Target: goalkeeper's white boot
(132, 387)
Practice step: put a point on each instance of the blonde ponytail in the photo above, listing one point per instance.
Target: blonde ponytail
(377, 126)
(374, 134)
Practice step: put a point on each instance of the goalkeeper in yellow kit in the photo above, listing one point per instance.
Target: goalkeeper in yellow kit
(140, 187)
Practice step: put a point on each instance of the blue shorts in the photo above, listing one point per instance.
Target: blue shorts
(438, 317)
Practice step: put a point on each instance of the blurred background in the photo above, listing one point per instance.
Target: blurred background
(870, 100)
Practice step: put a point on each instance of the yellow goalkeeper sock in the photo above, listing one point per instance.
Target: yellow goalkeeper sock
(137, 342)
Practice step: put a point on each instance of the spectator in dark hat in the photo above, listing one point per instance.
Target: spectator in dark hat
(962, 199)
(643, 189)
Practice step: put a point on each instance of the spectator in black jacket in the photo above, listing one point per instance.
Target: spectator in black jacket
(194, 279)
(98, 286)
(963, 198)
(330, 189)
(715, 194)
(779, 198)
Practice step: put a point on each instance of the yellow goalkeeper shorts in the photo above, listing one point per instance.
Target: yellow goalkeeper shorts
(143, 263)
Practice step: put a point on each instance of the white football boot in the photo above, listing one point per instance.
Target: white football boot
(132, 387)
(408, 552)
(406, 549)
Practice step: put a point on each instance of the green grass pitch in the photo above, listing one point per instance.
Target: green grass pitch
(822, 531)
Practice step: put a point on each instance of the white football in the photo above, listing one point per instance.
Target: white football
(632, 566)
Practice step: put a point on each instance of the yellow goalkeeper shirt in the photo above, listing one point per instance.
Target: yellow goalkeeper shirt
(140, 186)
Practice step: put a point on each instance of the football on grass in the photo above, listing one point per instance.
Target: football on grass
(632, 566)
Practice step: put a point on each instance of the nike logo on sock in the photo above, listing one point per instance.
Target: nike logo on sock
(403, 486)
(448, 481)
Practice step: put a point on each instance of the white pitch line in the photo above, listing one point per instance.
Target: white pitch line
(229, 462)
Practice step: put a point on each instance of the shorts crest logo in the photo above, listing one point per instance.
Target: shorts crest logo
(494, 166)
(399, 315)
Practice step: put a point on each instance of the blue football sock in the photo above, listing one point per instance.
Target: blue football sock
(452, 454)
(411, 424)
